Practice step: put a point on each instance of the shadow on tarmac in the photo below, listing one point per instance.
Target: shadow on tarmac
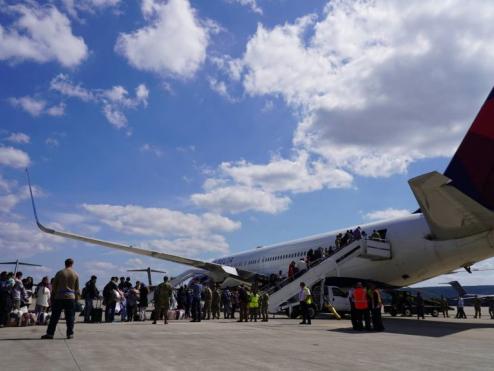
(32, 339)
(422, 327)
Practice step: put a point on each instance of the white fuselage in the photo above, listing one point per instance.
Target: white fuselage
(415, 258)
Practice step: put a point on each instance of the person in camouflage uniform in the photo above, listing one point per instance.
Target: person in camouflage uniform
(162, 296)
(264, 303)
(208, 297)
(216, 302)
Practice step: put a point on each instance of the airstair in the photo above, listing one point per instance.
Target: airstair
(364, 248)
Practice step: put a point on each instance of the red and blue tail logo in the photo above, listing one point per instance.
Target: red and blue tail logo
(472, 167)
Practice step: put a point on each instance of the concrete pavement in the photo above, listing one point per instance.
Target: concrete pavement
(280, 344)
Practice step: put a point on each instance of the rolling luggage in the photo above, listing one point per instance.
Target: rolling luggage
(96, 315)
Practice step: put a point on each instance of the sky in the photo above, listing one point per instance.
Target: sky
(205, 128)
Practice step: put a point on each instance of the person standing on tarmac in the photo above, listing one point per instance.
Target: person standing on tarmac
(65, 293)
(208, 297)
(196, 288)
(253, 305)
(444, 307)
(377, 322)
(264, 303)
(243, 301)
(215, 302)
(162, 297)
(305, 299)
(478, 307)
(460, 313)
(91, 293)
(361, 303)
(226, 300)
(419, 302)
(353, 311)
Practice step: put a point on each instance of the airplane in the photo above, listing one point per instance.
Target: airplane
(463, 293)
(149, 271)
(453, 228)
(17, 263)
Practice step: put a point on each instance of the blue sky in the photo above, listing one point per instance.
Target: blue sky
(203, 128)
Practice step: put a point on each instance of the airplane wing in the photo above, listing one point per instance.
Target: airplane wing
(145, 270)
(21, 263)
(30, 264)
(219, 271)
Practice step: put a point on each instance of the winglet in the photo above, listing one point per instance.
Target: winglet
(40, 226)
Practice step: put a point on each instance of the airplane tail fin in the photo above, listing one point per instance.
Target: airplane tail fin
(472, 167)
(450, 213)
(458, 288)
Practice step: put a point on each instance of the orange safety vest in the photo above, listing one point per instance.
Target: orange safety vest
(360, 298)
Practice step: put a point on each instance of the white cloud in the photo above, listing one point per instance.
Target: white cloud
(114, 116)
(237, 199)
(24, 240)
(385, 214)
(58, 110)
(5, 184)
(15, 195)
(13, 157)
(297, 175)
(151, 149)
(252, 4)
(242, 186)
(36, 107)
(135, 263)
(142, 94)
(191, 247)
(169, 230)
(52, 142)
(41, 34)
(220, 88)
(19, 138)
(73, 7)
(172, 43)
(378, 84)
(113, 101)
(161, 222)
(65, 86)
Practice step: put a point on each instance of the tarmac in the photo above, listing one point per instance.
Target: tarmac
(280, 344)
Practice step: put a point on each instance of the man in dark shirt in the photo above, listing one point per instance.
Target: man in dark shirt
(243, 299)
(65, 292)
(90, 293)
(109, 299)
(419, 301)
(196, 288)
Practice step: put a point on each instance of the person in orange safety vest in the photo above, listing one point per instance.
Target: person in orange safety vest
(361, 302)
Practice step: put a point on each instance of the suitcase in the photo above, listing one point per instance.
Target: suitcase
(96, 315)
(171, 315)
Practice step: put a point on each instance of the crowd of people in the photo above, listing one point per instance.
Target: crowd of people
(366, 307)
(18, 293)
(198, 301)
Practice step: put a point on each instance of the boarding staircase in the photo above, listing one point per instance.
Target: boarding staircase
(370, 249)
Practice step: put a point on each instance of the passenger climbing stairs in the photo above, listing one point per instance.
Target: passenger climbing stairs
(326, 267)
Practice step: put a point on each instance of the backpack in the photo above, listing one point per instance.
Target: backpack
(84, 293)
